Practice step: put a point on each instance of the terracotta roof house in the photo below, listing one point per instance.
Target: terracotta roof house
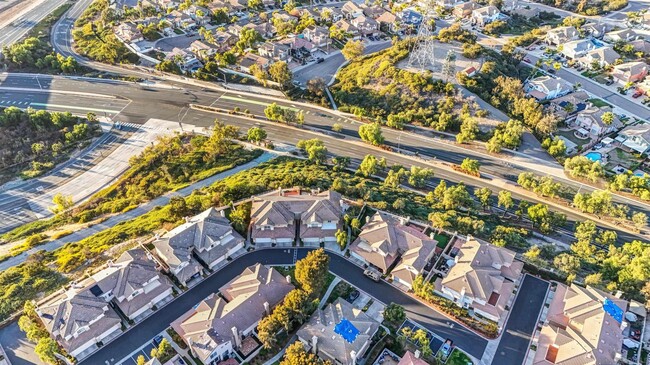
(275, 50)
(284, 217)
(448, 3)
(251, 59)
(203, 50)
(562, 35)
(624, 35)
(596, 30)
(464, 10)
(578, 48)
(78, 320)
(410, 358)
(214, 328)
(208, 235)
(128, 32)
(583, 326)
(482, 277)
(372, 11)
(318, 35)
(603, 57)
(347, 27)
(366, 26)
(591, 120)
(339, 333)
(631, 71)
(485, 15)
(351, 10)
(388, 20)
(569, 104)
(547, 88)
(391, 245)
(637, 137)
(132, 282)
(641, 45)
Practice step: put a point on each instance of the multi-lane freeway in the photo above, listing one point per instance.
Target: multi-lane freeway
(149, 101)
(20, 26)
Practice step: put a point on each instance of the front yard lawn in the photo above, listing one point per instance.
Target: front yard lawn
(598, 102)
(458, 358)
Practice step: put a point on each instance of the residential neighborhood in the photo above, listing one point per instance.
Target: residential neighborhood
(324, 182)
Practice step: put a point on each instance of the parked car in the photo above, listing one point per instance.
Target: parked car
(372, 274)
(609, 82)
(527, 60)
(637, 94)
(446, 349)
(320, 60)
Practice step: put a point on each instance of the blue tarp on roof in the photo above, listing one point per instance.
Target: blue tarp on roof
(615, 311)
(347, 330)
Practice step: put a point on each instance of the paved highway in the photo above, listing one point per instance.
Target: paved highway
(165, 103)
(423, 314)
(18, 28)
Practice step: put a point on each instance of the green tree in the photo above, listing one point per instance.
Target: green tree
(46, 348)
(394, 315)
(220, 141)
(468, 130)
(297, 355)
(256, 134)
(312, 272)
(352, 50)
(544, 219)
(639, 219)
(484, 195)
(281, 73)
(337, 127)
(62, 203)
(504, 200)
(299, 304)
(418, 176)
(395, 178)
(368, 166)
(567, 263)
(582, 167)
(371, 133)
(274, 112)
(342, 238)
(267, 330)
(141, 360)
(315, 149)
(470, 166)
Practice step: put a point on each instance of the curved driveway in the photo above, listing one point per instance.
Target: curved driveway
(416, 311)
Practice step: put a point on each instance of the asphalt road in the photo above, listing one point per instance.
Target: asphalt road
(18, 28)
(521, 324)
(166, 103)
(466, 340)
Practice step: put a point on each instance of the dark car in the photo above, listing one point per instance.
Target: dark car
(320, 60)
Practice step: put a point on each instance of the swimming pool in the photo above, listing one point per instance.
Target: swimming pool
(594, 156)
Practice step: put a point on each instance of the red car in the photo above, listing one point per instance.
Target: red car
(527, 60)
(637, 94)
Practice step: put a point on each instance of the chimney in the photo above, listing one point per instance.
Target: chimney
(223, 212)
(267, 308)
(235, 333)
(431, 235)
(367, 219)
(288, 279)
(314, 344)
(187, 219)
(353, 357)
(417, 354)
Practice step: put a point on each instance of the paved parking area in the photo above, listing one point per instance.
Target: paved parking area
(521, 324)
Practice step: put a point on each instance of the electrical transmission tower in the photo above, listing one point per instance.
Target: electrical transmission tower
(423, 52)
